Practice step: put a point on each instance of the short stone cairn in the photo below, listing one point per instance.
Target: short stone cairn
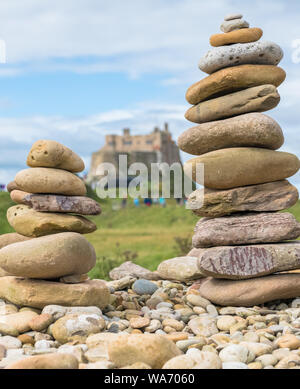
(47, 260)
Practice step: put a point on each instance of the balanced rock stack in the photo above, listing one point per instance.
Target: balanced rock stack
(241, 235)
(47, 260)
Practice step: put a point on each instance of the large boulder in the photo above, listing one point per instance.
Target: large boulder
(255, 291)
(39, 293)
(256, 99)
(28, 222)
(248, 130)
(152, 349)
(241, 166)
(272, 196)
(242, 262)
(47, 180)
(233, 79)
(49, 153)
(49, 257)
(249, 228)
(55, 203)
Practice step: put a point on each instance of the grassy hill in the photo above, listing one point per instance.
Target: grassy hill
(143, 235)
(5, 203)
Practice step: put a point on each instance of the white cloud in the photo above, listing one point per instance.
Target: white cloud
(135, 37)
(86, 134)
(83, 134)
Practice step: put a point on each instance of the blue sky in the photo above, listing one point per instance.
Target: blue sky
(79, 69)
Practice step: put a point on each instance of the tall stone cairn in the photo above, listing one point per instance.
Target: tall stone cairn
(47, 260)
(247, 249)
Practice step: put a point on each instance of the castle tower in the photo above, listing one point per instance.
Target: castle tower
(155, 147)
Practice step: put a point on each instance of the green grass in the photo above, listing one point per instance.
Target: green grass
(295, 210)
(144, 235)
(5, 203)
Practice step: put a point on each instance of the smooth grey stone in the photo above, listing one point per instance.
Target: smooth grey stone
(260, 52)
(235, 24)
(233, 16)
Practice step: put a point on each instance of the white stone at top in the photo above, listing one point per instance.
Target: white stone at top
(235, 24)
(233, 16)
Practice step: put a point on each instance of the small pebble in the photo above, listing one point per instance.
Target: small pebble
(113, 328)
(144, 287)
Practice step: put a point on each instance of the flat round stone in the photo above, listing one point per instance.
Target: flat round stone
(40, 293)
(233, 24)
(234, 79)
(48, 180)
(56, 203)
(28, 222)
(272, 196)
(255, 291)
(244, 35)
(249, 228)
(233, 16)
(261, 52)
(49, 257)
(241, 166)
(242, 262)
(248, 130)
(257, 99)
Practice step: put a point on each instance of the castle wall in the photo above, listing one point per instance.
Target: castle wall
(157, 146)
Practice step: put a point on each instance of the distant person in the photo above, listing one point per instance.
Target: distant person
(155, 201)
(148, 202)
(136, 202)
(162, 202)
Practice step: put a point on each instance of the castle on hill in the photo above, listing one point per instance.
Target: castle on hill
(156, 147)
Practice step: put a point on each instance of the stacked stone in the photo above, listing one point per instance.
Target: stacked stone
(47, 260)
(245, 184)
